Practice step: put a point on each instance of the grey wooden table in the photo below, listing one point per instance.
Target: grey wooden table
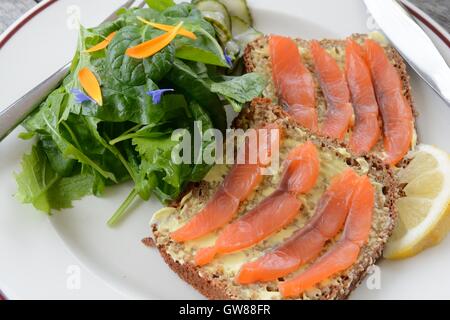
(10, 10)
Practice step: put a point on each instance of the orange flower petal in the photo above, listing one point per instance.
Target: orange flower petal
(168, 28)
(149, 48)
(102, 45)
(90, 84)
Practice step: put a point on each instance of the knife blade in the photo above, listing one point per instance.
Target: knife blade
(412, 43)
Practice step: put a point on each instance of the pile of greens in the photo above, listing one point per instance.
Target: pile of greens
(81, 148)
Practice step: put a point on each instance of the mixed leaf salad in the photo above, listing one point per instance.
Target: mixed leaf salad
(133, 82)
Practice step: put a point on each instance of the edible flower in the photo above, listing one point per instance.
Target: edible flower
(90, 84)
(157, 94)
(102, 45)
(168, 28)
(228, 59)
(149, 48)
(80, 97)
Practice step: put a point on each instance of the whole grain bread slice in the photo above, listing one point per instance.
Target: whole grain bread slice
(257, 59)
(216, 281)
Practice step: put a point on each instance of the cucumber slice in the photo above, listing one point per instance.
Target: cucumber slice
(217, 14)
(238, 26)
(215, 10)
(243, 33)
(223, 34)
(239, 8)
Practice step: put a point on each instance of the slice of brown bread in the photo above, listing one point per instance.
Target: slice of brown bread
(257, 59)
(216, 280)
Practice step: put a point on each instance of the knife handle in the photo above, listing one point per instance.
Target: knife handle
(12, 116)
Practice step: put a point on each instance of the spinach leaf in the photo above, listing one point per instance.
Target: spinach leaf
(166, 178)
(192, 85)
(192, 18)
(133, 104)
(204, 49)
(125, 82)
(130, 16)
(160, 5)
(239, 90)
(104, 29)
(182, 10)
(135, 72)
(110, 156)
(237, 106)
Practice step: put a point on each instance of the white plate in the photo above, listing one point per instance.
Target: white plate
(40, 257)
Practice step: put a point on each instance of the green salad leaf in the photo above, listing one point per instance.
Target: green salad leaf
(193, 85)
(81, 147)
(134, 72)
(160, 5)
(66, 190)
(156, 154)
(41, 186)
(239, 90)
(72, 141)
(201, 169)
(36, 178)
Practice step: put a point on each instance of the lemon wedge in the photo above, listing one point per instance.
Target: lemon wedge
(424, 213)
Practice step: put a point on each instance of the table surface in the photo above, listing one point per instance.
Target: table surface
(10, 10)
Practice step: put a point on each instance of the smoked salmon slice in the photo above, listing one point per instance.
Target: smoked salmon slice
(366, 131)
(339, 115)
(307, 243)
(395, 110)
(217, 212)
(241, 181)
(293, 81)
(274, 212)
(346, 251)
(301, 169)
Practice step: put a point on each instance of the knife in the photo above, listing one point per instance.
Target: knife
(413, 44)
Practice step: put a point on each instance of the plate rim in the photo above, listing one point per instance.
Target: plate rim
(23, 20)
(418, 13)
(9, 33)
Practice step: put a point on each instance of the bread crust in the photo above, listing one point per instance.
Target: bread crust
(262, 111)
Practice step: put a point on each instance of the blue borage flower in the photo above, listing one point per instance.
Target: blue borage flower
(157, 94)
(81, 97)
(228, 59)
